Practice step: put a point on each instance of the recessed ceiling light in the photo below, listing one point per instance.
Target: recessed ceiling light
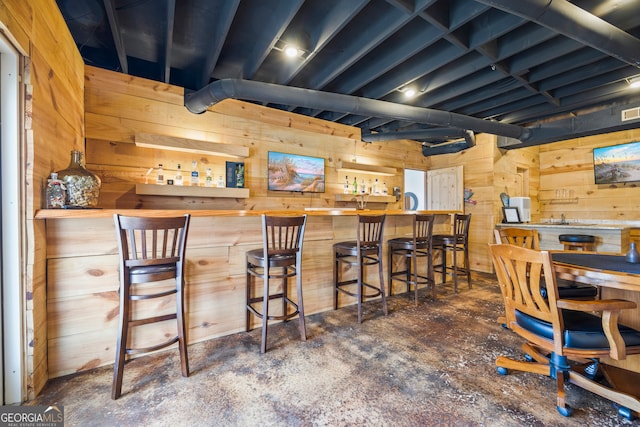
(634, 82)
(409, 92)
(291, 51)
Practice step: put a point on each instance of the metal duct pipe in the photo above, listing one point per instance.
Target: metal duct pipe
(433, 134)
(198, 102)
(575, 23)
(448, 148)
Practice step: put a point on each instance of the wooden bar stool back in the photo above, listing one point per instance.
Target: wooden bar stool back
(523, 237)
(151, 250)
(412, 249)
(279, 258)
(365, 251)
(456, 242)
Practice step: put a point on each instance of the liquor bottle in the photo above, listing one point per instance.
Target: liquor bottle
(354, 187)
(56, 196)
(220, 182)
(160, 177)
(376, 187)
(363, 189)
(385, 191)
(195, 175)
(208, 180)
(178, 178)
(346, 185)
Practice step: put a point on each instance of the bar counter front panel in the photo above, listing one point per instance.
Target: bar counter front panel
(83, 282)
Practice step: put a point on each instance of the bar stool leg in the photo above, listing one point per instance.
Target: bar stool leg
(303, 330)
(182, 330)
(121, 346)
(265, 309)
(360, 287)
(381, 278)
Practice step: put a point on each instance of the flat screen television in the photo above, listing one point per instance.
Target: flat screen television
(617, 163)
(293, 172)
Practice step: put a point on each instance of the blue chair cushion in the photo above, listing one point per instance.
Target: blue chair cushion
(582, 330)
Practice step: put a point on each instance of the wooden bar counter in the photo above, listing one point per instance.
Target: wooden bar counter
(82, 274)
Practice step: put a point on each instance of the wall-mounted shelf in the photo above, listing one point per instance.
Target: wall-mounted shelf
(191, 191)
(353, 167)
(172, 143)
(568, 201)
(373, 198)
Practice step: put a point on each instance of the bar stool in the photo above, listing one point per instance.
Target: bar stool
(583, 242)
(412, 249)
(457, 241)
(151, 250)
(279, 258)
(366, 250)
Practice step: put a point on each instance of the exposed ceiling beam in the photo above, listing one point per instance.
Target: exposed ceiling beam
(577, 24)
(112, 15)
(168, 42)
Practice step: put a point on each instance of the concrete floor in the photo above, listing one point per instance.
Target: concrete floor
(418, 366)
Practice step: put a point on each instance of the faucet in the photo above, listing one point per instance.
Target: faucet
(563, 219)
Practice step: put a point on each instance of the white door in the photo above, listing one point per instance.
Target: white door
(445, 189)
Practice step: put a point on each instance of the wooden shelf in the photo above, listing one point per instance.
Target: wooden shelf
(354, 167)
(368, 198)
(191, 191)
(172, 143)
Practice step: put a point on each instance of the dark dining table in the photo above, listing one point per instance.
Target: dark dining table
(616, 278)
(605, 270)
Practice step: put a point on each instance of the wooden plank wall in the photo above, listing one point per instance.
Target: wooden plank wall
(53, 88)
(569, 165)
(117, 106)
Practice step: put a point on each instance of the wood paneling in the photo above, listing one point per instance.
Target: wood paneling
(53, 86)
(83, 281)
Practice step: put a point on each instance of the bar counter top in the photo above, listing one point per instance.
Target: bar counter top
(108, 213)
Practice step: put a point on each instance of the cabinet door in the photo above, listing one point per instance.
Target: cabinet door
(445, 189)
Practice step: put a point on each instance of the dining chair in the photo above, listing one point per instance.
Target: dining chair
(363, 252)
(528, 238)
(152, 252)
(279, 258)
(411, 250)
(455, 242)
(563, 338)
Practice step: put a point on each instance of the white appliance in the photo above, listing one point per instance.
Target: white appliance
(524, 207)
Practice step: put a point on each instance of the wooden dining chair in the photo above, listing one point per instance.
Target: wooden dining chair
(528, 238)
(152, 251)
(280, 258)
(564, 339)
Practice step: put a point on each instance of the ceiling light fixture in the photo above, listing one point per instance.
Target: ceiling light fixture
(634, 82)
(292, 51)
(409, 92)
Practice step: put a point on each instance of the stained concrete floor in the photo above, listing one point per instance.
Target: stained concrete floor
(418, 366)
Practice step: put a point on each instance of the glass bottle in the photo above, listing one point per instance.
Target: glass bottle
(56, 195)
(376, 187)
(385, 190)
(354, 187)
(632, 256)
(346, 185)
(240, 175)
(178, 178)
(160, 177)
(220, 182)
(363, 189)
(83, 186)
(195, 175)
(208, 180)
